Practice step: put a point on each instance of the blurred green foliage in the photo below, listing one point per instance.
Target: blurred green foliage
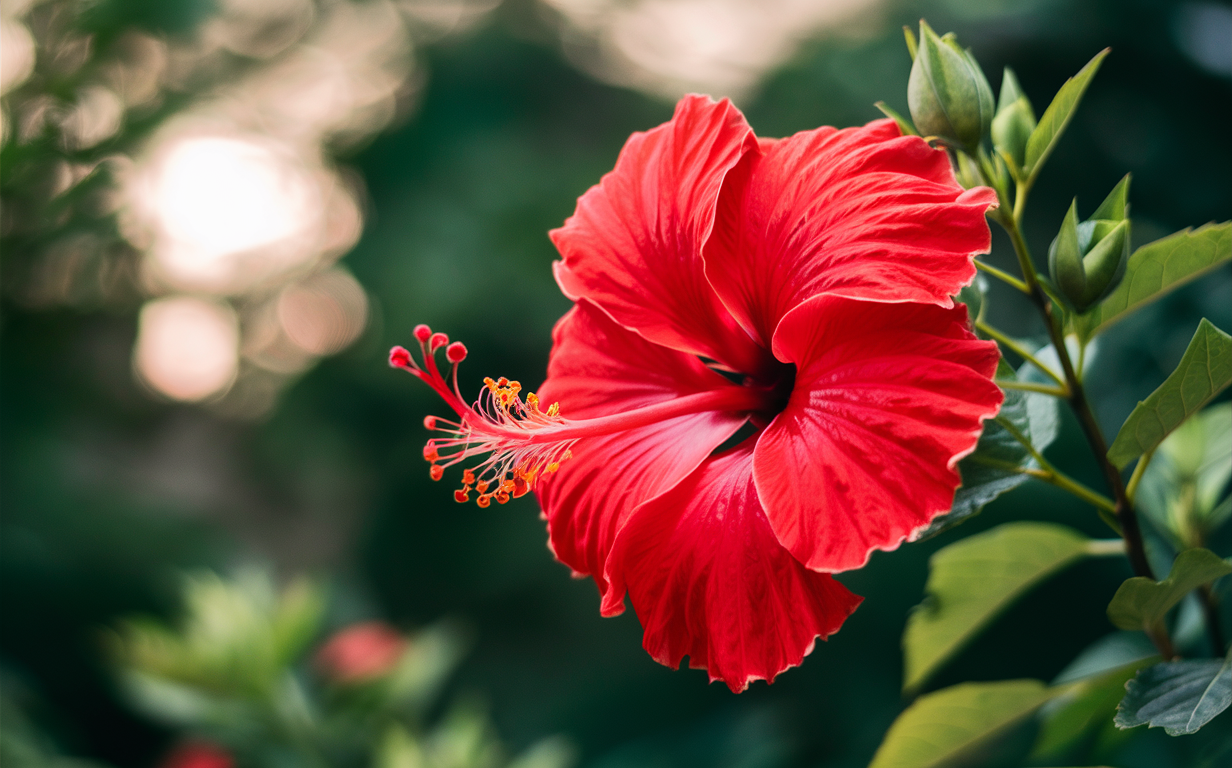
(106, 495)
(240, 670)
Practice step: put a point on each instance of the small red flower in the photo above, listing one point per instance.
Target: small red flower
(817, 269)
(198, 754)
(361, 652)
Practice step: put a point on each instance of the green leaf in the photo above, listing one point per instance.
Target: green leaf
(1178, 696)
(904, 124)
(297, 620)
(972, 581)
(1082, 710)
(942, 726)
(996, 465)
(1045, 136)
(1141, 602)
(1181, 487)
(1204, 371)
(1157, 268)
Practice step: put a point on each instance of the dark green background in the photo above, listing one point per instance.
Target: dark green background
(460, 198)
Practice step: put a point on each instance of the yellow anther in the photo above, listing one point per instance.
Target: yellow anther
(554, 409)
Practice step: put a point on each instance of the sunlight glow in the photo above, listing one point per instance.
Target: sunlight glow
(670, 47)
(187, 348)
(215, 201)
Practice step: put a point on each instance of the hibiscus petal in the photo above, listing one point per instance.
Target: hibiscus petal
(861, 212)
(708, 579)
(634, 244)
(887, 399)
(598, 368)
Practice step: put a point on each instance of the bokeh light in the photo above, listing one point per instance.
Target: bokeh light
(218, 203)
(16, 53)
(670, 47)
(324, 313)
(187, 348)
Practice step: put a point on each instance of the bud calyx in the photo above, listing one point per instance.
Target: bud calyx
(1087, 259)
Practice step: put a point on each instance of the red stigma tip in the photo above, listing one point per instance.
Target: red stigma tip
(430, 422)
(455, 352)
(436, 341)
(422, 332)
(430, 453)
(399, 357)
(436, 471)
(484, 500)
(461, 496)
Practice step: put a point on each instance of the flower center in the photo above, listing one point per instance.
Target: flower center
(521, 441)
(777, 380)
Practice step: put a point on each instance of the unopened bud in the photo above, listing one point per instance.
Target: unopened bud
(1015, 119)
(948, 94)
(198, 754)
(1087, 259)
(361, 652)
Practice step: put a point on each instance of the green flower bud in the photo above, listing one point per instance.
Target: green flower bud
(948, 94)
(1087, 259)
(1015, 119)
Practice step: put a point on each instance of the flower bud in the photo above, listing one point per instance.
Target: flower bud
(198, 754)
(1087, 259)
(361, 652)
(948, 94)
(1015, 119)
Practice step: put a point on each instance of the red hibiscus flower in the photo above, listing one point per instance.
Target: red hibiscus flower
(198, 754)
(815, 271)
(361, 652)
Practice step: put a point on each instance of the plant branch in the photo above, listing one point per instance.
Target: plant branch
(1053, 476)
(1012, 345)
(1123, 507)
(1004, 277)
(1030, 386)
(1131, 489)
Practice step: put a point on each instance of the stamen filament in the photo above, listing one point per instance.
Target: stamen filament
(522, 442)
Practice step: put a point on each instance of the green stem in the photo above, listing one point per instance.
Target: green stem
(1131, 489)
(1093, 498)
(1004, 277)
(1104, 547)
(1054, 478)
(1009, 343)
(1030, 386)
